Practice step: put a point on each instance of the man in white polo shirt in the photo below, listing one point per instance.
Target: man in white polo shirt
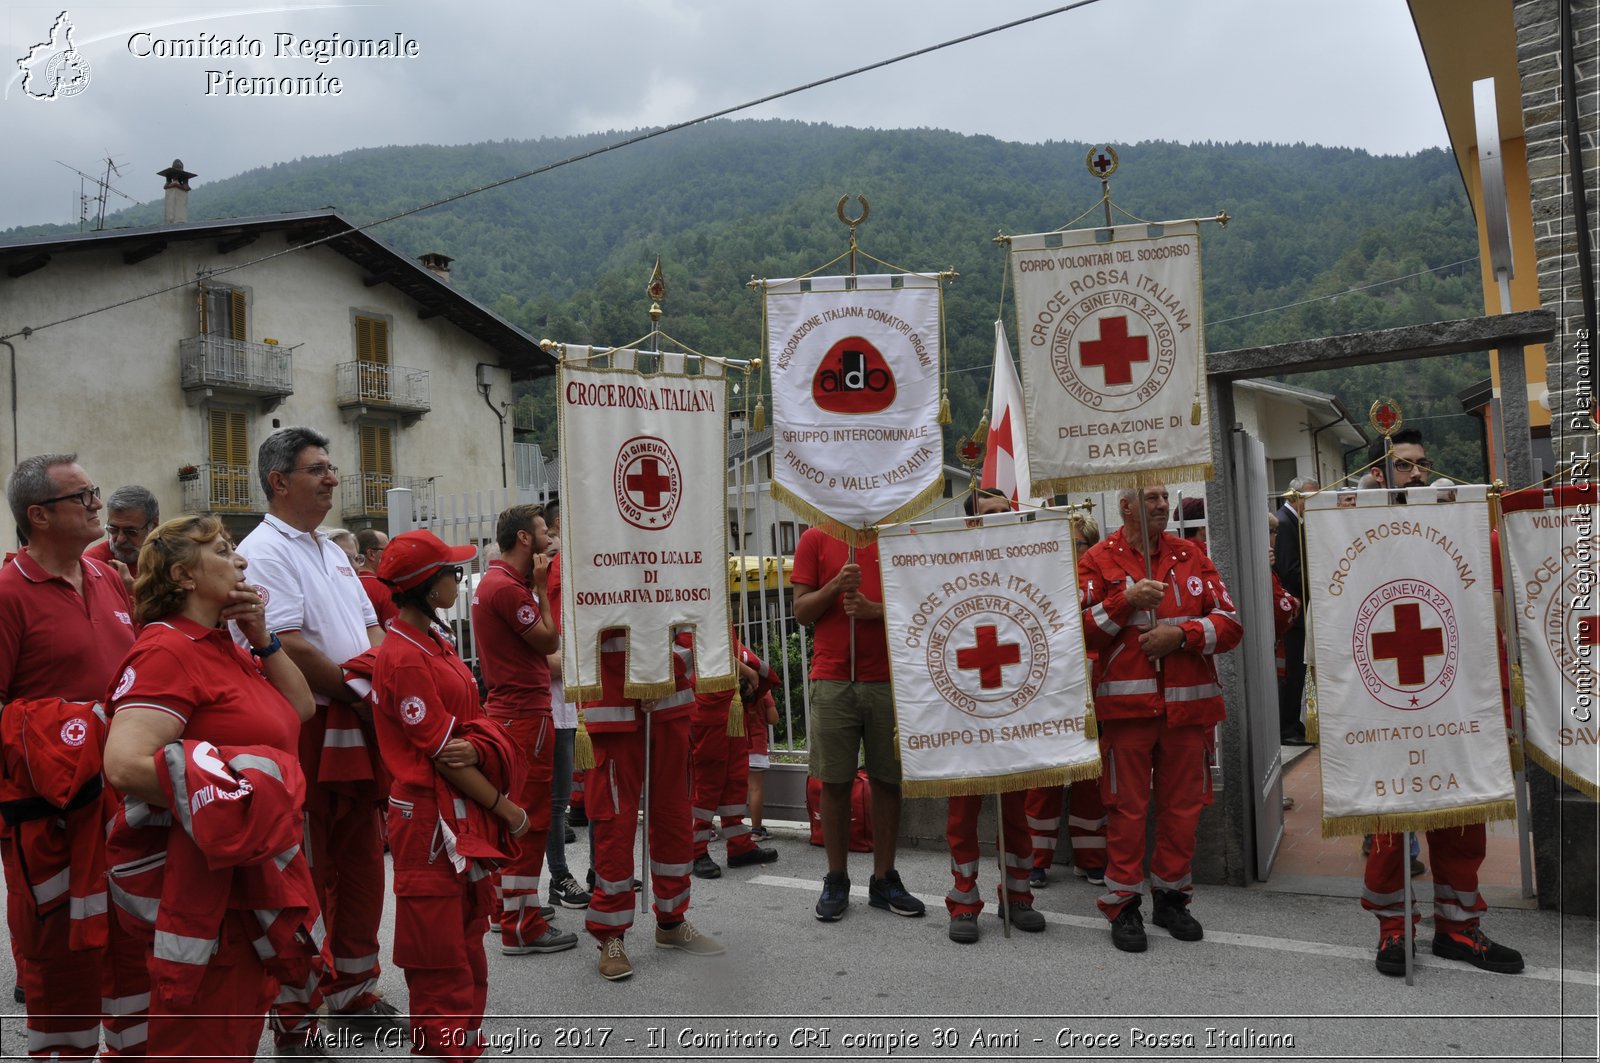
(316, 606)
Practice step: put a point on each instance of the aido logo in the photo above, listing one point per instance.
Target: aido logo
(853, 377)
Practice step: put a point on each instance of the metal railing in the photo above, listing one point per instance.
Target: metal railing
(216, 487)
(366, 494)
(394, 387)
(238, 365)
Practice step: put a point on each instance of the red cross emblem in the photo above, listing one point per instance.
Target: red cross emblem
(1385, 416)
(1409, 645)
(648, 483)
(989, 657)
(1115, 351)
(970, 452)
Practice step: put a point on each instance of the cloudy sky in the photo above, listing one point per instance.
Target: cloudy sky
(1338, 72)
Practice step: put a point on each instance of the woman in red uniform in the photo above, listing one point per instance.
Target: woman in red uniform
(185, 681)
(447, 819)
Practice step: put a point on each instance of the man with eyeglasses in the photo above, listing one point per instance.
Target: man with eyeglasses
(65, 625)
(132, 513)
(318, 610)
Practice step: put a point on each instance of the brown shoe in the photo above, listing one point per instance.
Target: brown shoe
(684, 936)
(614, 965)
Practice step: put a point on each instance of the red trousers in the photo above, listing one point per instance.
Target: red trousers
(72, 993)
(345, 851)
(961, 832)
(1455, 854)
(1177, 760)
(1044, 823)
(721, 773)
(1086, 824)
(518, 881)
(612, 794)
(223, 1023)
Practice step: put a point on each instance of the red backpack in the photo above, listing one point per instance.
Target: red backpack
(860, 811)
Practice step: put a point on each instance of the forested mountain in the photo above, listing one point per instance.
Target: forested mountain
(566, 254)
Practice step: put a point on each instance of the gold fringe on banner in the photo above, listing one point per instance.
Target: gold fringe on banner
(1001, 784)
(736, 716)
(716, 684)
(582, 747)
(858, 536)
(1562, 772)
(1116, 481)
(592, 692)
(1439, 819)
(648, 691)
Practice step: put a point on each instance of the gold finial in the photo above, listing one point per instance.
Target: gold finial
(1384, 416)
(1101, 161)
(866, 209)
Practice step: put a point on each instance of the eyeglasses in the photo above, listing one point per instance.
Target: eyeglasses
(321, 470)
(85, 498)
(117, 531)
(1402, 465)
(459, 573)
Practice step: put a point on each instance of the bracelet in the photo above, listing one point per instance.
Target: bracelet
(522, 826)
(497, 799)
(261, 653)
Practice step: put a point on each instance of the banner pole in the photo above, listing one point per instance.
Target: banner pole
(850, 559)
(644, 833)
(1000, 860)
(1513, 652)
(1411, 904)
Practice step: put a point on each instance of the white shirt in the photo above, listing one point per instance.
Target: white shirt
(562, 712)
(310, 588)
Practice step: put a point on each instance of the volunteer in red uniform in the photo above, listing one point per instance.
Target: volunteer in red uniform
(516, 633)
(1157, 701)
(132, 512)
(186, 680)
(445, 812)
(65, 624)
(720, 767)
(616, 725)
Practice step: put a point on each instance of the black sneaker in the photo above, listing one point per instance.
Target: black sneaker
(835, 897)
(964, 928)
(705, 867)
(1474, 947)
(566, 892)
(1038, 879)
(1172, 912)
(377, 1016)
(1023, 916)
(760, 834)
(17, 994)
(761, 854)
(1391, 956)
(890, 894)
(571, 835)
(576, 818)
(1127, 929)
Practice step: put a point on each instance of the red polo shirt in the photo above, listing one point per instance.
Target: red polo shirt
(818, 557)
(382, 597)
(200, 676)
(518, 676)
(420, 689)
(101, 551)
(55, 642)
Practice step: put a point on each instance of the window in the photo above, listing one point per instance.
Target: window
(229, 457)
(222, 313)
(786, 537)
(372, 352)
(1283, 470)
(377, 466)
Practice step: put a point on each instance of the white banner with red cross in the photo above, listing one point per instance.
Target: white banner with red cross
(1553, 546)
(1413, 736)
(986, 654)
(1112, 342)
(855, 367)
(645, 514)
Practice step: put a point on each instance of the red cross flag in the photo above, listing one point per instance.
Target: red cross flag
(644, 492)
(1403, 646)
(1005, 461)
(986, 654)
(1552, 541)
(1113, 356)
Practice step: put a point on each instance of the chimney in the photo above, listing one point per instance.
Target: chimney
(437, 264)
(177, 188)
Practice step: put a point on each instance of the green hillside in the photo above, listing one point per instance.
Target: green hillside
(565, 254)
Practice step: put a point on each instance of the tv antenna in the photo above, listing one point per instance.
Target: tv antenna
(103, 184)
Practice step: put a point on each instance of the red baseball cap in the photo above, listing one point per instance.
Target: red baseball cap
(412, 558)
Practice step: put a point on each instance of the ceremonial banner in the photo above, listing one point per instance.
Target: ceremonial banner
(986, 654)
(1550, 536)
(1113, 356)
(1403, 639)
(1005, 456)
(855, 398)
(645, 504)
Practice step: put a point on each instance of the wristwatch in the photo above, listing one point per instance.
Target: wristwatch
(261, 653)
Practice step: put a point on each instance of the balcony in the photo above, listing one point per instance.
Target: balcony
(363, 386)
(213, 487)
(218, 365)
(366, 495)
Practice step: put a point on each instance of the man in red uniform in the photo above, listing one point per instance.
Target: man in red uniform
(1455, 852)
(65, 625)
(1156, 611)
(720, 765)
(516, 633)
(370, 545)
(851, 707)
(132, 513)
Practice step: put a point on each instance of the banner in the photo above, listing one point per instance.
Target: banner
(1403, 644)
(986, 654)
(855, 398)
(1113, 356)
(1550, 537)
(1005, 456)
(645, 507)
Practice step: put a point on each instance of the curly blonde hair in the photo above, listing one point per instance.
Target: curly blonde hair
(175, 542)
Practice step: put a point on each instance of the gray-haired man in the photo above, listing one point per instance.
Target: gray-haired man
(132, 512)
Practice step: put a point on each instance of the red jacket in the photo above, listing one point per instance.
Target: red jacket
(613, 711)
(1126, 685)
(712, 709)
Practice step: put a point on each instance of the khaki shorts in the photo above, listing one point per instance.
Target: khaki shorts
(846, 716)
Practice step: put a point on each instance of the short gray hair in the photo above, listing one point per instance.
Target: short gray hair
(30, 484)
(344, 537)
(1300, 483)
(278, 452)
(132, 496)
